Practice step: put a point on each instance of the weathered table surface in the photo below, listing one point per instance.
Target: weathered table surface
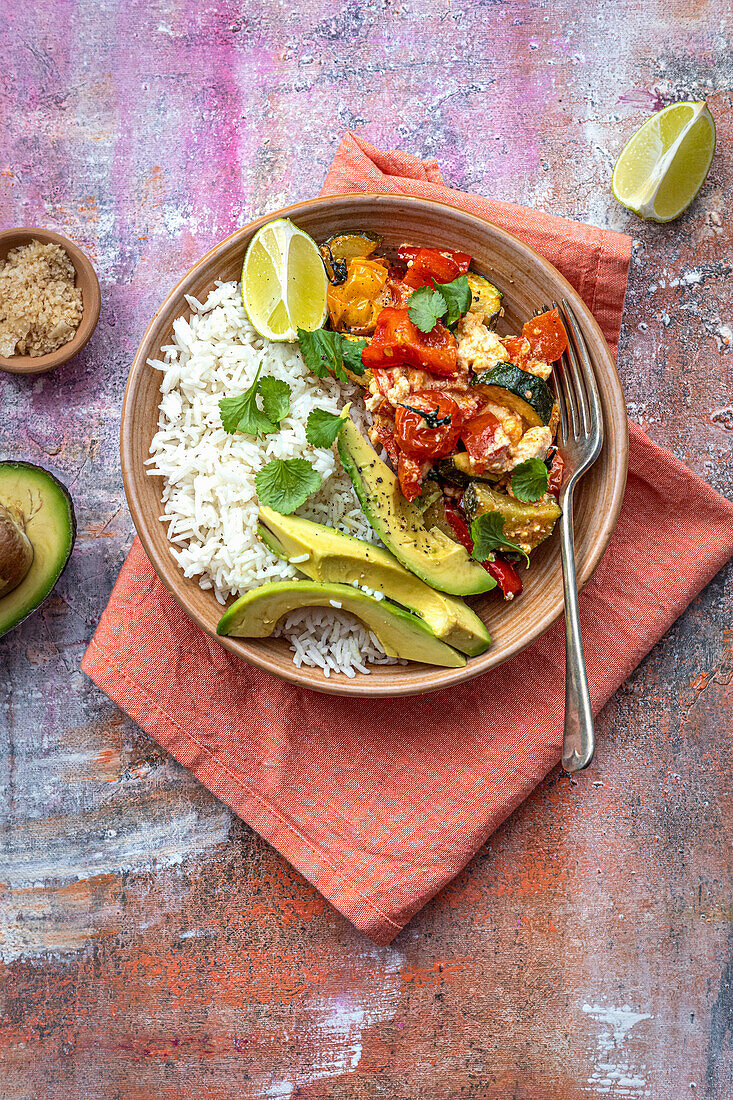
(152, 944)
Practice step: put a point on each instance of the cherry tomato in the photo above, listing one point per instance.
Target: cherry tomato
(397, 341)
(479, 437)
(427, 425)
(547, 336)
(431, 267)
(518, 350)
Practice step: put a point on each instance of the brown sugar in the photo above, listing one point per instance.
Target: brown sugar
(40, 308)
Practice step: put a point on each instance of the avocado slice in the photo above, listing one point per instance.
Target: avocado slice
(401, 634)
(334, 556)
(428, 552)
(36, 509)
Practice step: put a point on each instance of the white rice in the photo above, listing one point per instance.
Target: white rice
(209, 491)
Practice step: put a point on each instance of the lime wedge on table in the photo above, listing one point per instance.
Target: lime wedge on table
(666, 162)
(284, 281)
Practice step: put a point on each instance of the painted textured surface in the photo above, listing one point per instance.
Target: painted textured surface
(152, 944)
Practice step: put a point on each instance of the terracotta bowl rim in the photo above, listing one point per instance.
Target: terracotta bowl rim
(169, 572)
(92, 302)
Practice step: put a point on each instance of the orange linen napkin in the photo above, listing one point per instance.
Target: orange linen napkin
(381, 802)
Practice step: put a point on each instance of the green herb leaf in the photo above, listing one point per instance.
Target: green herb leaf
(322, 428)
(327, 352)
(487, 532)
(286, 483)
(275, 394)
(529, 480)
(457, 295)
(426, 308)
(243, 414)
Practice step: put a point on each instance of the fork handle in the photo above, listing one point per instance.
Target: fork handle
(578, 743)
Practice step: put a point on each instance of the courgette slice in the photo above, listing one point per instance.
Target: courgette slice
(522, 392)
(338, 250)
(485, 298)
(524, 523)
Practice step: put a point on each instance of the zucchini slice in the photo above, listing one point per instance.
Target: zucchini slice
(485, 298)
(524, 523)
(337, 251)
(522, 392)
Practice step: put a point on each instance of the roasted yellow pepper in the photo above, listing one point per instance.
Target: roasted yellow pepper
(354, 305)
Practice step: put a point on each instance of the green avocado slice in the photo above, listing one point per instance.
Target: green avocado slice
(333, 556)
(41, 508)
(400, 633)
(427, 552)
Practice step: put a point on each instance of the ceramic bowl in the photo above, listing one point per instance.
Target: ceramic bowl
(527, 281)
(86, 280)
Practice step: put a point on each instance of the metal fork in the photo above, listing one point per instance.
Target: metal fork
(581, 439)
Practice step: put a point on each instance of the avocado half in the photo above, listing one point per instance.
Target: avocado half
(37, 533)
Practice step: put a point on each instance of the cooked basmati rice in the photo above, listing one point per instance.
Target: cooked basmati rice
(209, 495)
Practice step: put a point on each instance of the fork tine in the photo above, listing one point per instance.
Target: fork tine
(569, 418)
(589, 375)
(576, 382)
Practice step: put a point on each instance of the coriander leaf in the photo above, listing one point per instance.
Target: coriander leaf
(243, 414)
(457, 295)
(322, 428)
(275, 394)
(529, 479)
(286, 483)
(351, 351)
(487, 532)
(426, 308)
(328, 352)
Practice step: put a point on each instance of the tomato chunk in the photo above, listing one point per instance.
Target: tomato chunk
(431, 265)
(554, 481)
(547, 336)
(480, 440)
(409, 472)
(427, 425)
(397, 341)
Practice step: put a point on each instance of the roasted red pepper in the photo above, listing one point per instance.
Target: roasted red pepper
(503, 572)
(397, 341)
(431, 265)
(554, 481)
(427, 425)
(479, 438)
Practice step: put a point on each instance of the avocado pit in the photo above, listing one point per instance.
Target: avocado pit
(16, 552)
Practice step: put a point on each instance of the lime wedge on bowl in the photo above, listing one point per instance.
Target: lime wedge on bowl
(666, 162)
(284, 281)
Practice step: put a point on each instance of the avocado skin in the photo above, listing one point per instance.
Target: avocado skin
(338, 557)
(43, 575)
(438, 560)
(402, 634)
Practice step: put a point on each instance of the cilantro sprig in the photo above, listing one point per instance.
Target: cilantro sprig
(286, 483)
(327, 352)
(442, 301)
(243, 414)
(487, 532)
(322, 428)
(530, 479)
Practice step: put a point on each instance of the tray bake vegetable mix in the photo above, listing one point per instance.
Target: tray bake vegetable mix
(466, 416)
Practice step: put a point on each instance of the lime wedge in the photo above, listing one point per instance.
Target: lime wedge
(284, 281)
(666, 162)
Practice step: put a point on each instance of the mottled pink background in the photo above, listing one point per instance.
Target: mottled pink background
(152, 945)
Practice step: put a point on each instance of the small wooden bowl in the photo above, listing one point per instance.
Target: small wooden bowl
(527, 281)
(86, 280)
